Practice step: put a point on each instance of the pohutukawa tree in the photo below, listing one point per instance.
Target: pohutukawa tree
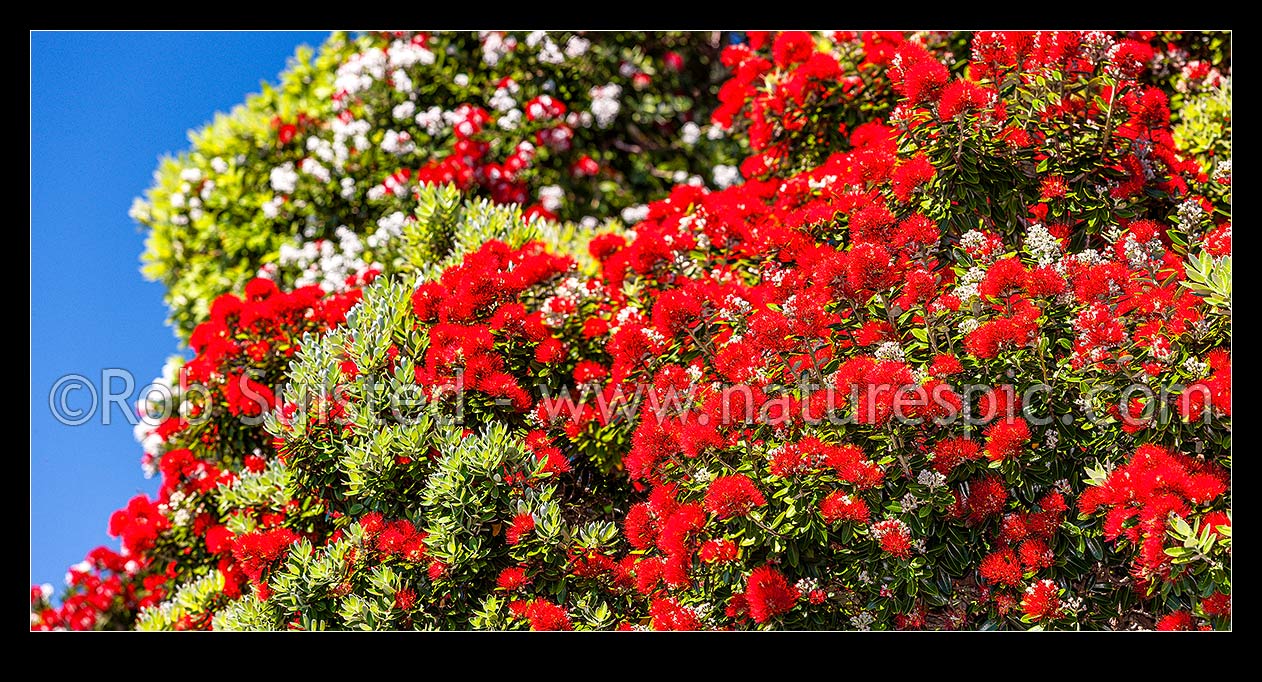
(694, 331)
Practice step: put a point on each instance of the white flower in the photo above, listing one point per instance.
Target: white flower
(502, 100)
(972, 240)
(1190, 215)
(191, 175)
(492, 47)
(313, 168)
(510, 120)
(284, 178)
(405, 54)
(271, 208)
(634, 214)
(1042, 245)
(605, 103)
(930, 478)
(890, 350)
(219, 165)
(690, 133)
(1222, 171)
(551, 196)
(726, 176)
(461, 80)
(576, 46)
(139, 210)
(396, 142)
(403, 111)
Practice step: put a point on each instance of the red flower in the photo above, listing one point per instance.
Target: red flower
(730, 496)
(1005, 439)
(257, 552)
(219, 539)
(986, 497)
(1179, 620)
(522, 524)
(1002, 567)
(719, 551)
(792, 47)
(1217, 604)
(894, 536)
(1053, 187)
(512, 579)
(839, 506)
(544, 615)
(404, 599)
(668, 614)
(1042, 601)
(768, 594)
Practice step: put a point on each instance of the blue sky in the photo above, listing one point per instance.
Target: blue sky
(105, 107)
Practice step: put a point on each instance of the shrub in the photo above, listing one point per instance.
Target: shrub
(322, 168)
(956, 355)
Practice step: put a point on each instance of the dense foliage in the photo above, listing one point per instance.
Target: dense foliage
(955, 354)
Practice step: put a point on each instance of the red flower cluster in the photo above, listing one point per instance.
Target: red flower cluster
(473, 316)
(1140, 495)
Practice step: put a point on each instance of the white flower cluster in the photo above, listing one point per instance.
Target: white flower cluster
(1222, 172)
(360, 70)
(890, 350)
(404, 54)
(1099, 45)
(398, 143)
(1142, 255)
(325, 263)
(972, 240)
(337, 152)
(502, 99)
(1190, 214)
(1041, 244)
(433, 120)
(863, 620)
(807, 585)
(634, 214)
(968, 325)
(966, 291)
(284, 179)
(606, 104)
(313, 168)
(550, 197)
(930, 479)
(388, 229)
(690, 133)
(576, 47)
(495, 46)
(1196, 369)
(725, 176)
(735, 308)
